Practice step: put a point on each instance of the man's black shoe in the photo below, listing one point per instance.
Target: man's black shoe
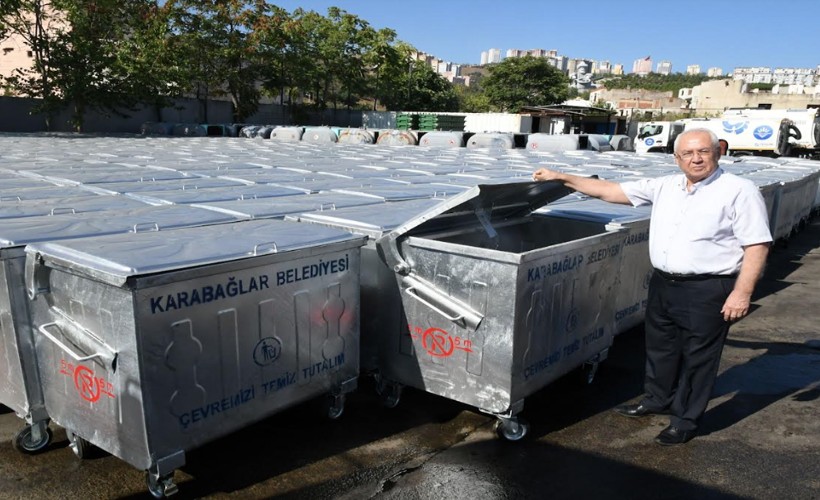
(672, 436)
(637, 410)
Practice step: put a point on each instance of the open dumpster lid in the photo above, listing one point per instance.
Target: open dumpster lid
(116, 257)
(484, 204)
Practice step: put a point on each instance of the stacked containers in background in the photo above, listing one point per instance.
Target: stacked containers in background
(152, 344)
(499, 303)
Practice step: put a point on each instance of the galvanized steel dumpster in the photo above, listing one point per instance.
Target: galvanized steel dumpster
(381, 309)
(636, 269)
(152, 344)
(20, 388)
(499, 303)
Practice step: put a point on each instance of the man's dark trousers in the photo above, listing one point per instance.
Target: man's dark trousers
(685, 332)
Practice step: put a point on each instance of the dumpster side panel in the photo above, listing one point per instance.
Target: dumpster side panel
(443, 358)
(220, 351)
(565, 309)
(99, 401)
(384, 328)
(633, 278)
(13, 352)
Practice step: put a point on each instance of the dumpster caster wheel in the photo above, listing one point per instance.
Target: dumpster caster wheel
(336, 406)
(32, 441)
(389, 393)
(588, 372)
(161, 486)
(80, 447)
(512, 429)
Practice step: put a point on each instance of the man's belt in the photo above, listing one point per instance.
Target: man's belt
(692, 277)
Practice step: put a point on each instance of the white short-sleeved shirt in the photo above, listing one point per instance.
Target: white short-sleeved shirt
(701, 231)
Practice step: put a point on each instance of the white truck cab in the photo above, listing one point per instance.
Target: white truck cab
(658, 136)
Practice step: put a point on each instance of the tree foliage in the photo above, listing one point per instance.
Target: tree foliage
(524, 81)
(83, 53)
(655, 81)
(110, 55)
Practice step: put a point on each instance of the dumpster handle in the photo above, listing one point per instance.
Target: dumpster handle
(57, 211)
(411, 292)
(146, 226)
(270, 246)
(10, 198)
(106, 358)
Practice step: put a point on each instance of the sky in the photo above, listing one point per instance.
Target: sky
(716, 33)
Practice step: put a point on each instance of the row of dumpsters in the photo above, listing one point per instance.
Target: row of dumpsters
(157, 293)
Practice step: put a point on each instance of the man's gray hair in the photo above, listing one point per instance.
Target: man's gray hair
(713, 138)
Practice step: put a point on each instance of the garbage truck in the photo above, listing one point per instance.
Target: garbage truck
(745, 135)
(806, 137)
(739, 134)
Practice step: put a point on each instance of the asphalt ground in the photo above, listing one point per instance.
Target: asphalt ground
(760, 437)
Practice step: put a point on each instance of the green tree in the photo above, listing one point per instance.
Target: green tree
(654, 81)
(216, 37)
(79, 55)
(471, 99)
(29, 20)
(524, 81)
(386, 62)
(420, 89)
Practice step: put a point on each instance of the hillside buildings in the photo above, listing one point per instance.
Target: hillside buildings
(642, 66)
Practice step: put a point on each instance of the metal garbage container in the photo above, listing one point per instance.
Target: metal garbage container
(20, 389)
(636, 269)
(498, 303)
(381, 309)
(151, 344)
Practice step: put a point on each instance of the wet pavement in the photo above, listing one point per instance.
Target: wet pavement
(760, 437)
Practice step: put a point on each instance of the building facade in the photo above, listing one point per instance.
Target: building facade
(712, 97)
(693, 69)
(664, 68)
(642, 66)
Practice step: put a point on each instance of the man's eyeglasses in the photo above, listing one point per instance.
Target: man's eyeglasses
(688, 155)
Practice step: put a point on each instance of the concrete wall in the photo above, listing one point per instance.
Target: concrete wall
(16, 116)
(716, 95)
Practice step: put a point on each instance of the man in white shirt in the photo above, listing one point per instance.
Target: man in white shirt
(708, 242)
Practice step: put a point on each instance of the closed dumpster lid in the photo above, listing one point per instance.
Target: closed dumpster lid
(482, 204)
(399, 192)
(595, 210)
(18, 232)
(369, 220)
(116, 257)
(191, 196)
(279, 207)
(93, 203)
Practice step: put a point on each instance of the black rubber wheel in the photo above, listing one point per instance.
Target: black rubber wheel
(81, 447)
(23, 443)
